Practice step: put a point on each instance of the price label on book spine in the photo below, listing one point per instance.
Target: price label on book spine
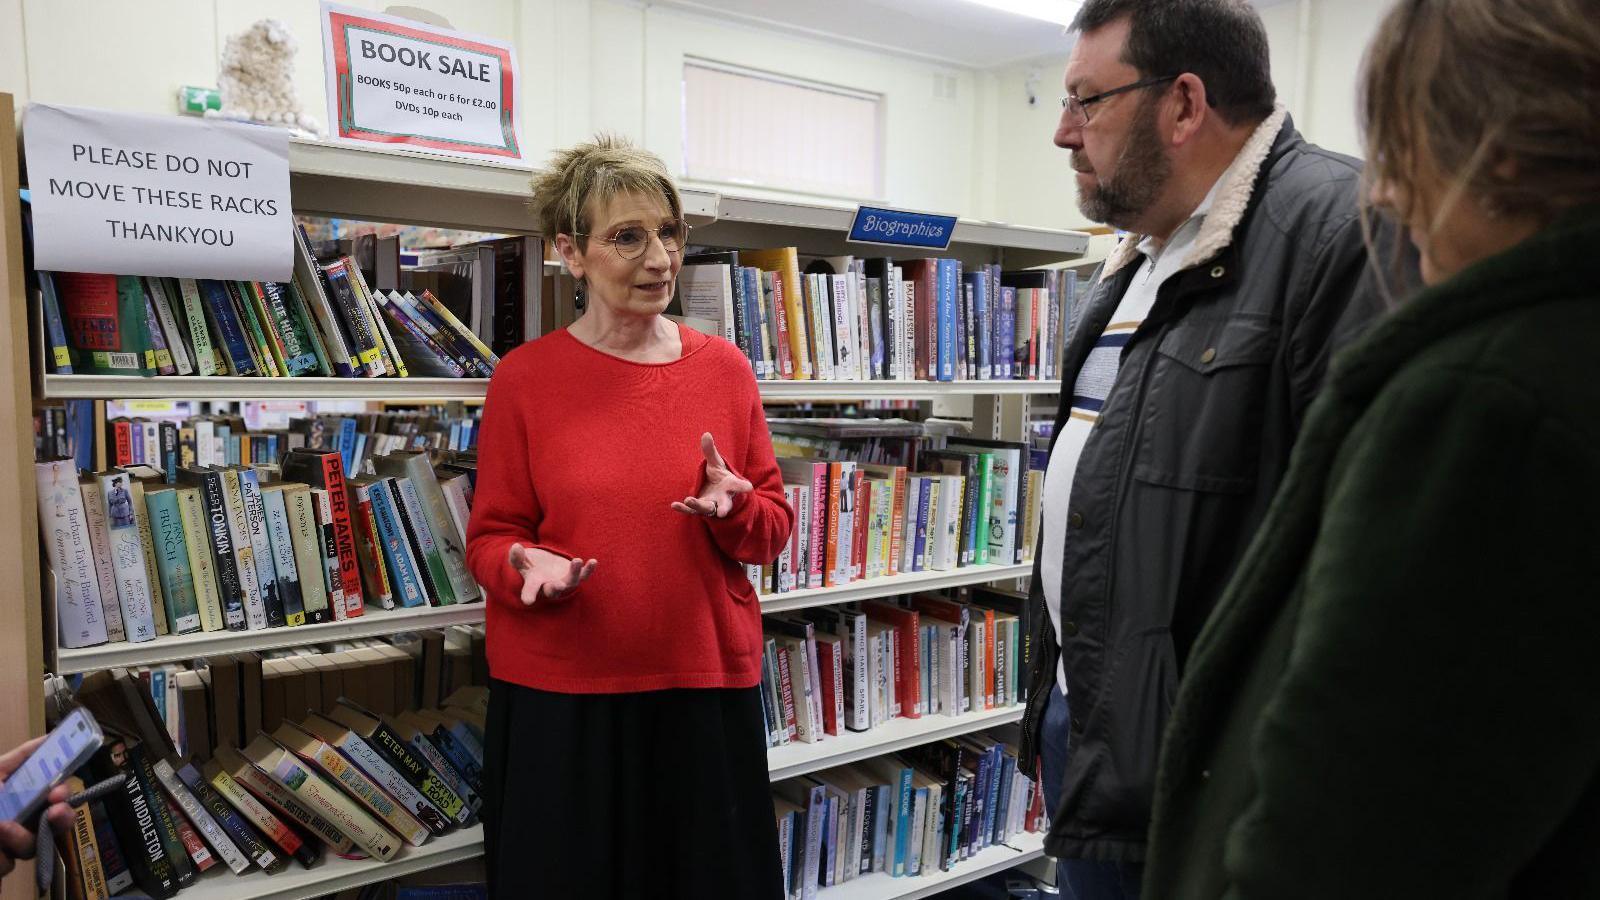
(175, 196)
(901, 228)
(397, 81)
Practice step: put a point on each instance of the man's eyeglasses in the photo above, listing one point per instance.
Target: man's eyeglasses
(629, 242)
(1078, 108)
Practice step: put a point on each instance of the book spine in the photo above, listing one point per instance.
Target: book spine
(244, 554)
(299, 357)
(94, 510)
(205, 354)
(427, 553)
(370, 795)
(306, 535)
(239, 831)
(786, 693)
(286, 803)
(258, 817)
(172, 561)
(364, 340)
(344, 536)
(141, 518)
(331, 804)
(447, 770)
(166, 825)
(449, 318)
(836, 293)
(433, 785)
(127, 554)
(55, 331)
(405, 581)
(133, 816)
(330, 554)
(411, 317)
(816, 300)
(391, 784)
(80, 613)
(281, 544)
(158, 355)
(91, 872)
(207, 825)
(224, 320)
(374, 575)
(156, 291)
(392, 362)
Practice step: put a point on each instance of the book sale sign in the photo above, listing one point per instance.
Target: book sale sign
(399, 82)
(122, 193)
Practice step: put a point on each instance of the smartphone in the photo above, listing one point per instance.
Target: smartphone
(69, 746)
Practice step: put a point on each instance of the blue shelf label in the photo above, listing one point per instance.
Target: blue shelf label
(873, 225)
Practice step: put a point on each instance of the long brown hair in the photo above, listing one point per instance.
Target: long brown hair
(1452, 89)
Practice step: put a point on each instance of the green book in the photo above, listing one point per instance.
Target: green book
(172, 559)
(301, 312)
(105, 323)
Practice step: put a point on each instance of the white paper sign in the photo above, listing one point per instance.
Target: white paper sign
(129, 194)
(396, 81)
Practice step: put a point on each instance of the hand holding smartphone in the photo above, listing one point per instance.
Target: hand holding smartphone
(31, 775)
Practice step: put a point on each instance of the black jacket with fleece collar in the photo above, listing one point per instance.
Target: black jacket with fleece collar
(1187, 452)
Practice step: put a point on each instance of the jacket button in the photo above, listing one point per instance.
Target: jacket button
(1075, 520)
(1209, 355)
(1070, 629)
(1218, 272)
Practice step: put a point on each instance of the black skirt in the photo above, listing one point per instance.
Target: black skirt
(659, 794)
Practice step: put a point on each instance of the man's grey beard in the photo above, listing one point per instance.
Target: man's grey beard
(1141, 172)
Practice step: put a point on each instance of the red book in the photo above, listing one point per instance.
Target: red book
(780, 327)
(858, 548)
(923, 274)
(124, 442)
(325, 469)
(832, 691)
(786, 691)
(908, 653)
(198, 852)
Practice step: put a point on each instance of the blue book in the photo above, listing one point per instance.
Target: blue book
(81, 427)
(991, 811)
(347, 444)
(1002, 812)
(60, 351)
(405, 582)
(945, 315)
(1008, 332)
(979, 281)
(753, 318)
(458, 755)
(224, 321)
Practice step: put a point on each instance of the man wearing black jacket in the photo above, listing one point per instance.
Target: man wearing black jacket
(1186, 378)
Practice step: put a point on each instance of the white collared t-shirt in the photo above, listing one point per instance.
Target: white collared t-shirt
(1089, 393)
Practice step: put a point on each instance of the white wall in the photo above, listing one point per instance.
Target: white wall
(590, 65)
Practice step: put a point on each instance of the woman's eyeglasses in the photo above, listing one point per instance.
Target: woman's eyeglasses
(629, 242)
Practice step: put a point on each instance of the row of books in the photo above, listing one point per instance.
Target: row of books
(326, 321)
(81, 429)
(855, 319)
(135, 556)
(909, 814)
(353, 782)
(830, 670)
(223, 699)
(976, 502)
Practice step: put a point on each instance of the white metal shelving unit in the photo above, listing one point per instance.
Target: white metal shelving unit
(405, 187)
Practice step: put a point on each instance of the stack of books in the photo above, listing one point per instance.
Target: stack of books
(326, 321)
(136, 555)
(854, 319)
(905, 815)
(347, 780)
(833, 670)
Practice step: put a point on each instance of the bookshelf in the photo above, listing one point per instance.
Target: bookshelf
(405, 187)
(896, 734)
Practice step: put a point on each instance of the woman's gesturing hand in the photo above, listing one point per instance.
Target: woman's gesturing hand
(721, 485)
(544, 574)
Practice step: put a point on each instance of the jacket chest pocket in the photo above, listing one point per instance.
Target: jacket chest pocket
(1200, 428)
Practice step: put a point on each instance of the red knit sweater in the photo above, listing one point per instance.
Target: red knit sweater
(582, 454)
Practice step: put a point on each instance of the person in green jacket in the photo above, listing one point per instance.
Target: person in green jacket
(1395, 696)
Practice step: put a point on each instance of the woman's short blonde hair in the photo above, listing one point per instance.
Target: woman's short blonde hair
(580, 179)
(1451, 89)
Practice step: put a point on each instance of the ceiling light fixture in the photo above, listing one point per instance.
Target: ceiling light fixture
(1057, 11)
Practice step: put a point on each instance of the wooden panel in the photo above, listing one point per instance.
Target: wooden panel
(21, 650)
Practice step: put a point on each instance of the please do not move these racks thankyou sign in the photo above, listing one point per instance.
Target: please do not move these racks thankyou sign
(399, 82)
(173, 196)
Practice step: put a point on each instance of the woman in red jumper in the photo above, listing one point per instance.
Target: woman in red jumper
(625, 477)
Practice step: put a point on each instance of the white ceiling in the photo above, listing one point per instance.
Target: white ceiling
(949, 31)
